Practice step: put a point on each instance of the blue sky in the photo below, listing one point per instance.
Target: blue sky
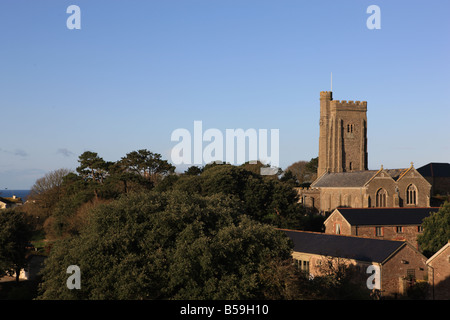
(138, 70)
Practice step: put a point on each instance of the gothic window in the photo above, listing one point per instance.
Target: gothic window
(338, 228)
(381, 198)
(411, 194)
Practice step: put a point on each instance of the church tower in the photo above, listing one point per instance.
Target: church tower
(343, 135)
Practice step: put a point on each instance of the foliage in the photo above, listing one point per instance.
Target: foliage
(264, 199)
(337, 281)
(15, 235)
(418, 291)
(301, 172)
(436, 230)
(167, 246)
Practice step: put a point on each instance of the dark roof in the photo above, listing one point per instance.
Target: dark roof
(351, 179)
(362, 249)
(435, 169)
(385, 216)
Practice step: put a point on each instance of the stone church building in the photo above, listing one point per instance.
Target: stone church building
(343, 178)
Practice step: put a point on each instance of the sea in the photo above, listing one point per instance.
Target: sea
(18, 193)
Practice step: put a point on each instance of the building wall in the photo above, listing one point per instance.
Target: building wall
(332, 198)
(408, 233)
(310, 198)
(335, 223)
(394, 279)
(439, 275)
(394, 272)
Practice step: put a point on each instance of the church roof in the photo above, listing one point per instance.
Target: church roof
(344, 179)
(351, 179)
(385, 216)
(362, 249)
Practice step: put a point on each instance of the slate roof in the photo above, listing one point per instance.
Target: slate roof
(362, 249)
(385, 216)
(344, 179)
(435, 169)
(352, 179)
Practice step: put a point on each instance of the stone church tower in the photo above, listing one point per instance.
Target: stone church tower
(343, 177)
(343, 135)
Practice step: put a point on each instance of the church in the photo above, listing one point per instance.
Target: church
(343, 178)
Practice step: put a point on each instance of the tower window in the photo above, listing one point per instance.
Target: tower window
(350, 128)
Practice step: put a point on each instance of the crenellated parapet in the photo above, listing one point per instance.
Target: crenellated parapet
(352, 105)
(327, 95)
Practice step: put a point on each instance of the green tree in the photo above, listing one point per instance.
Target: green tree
(193, 171)
(15, 234)
(265, 199)
(92, 167)
(436, 230)
(169, 245)
(303, 172)
(147, 164)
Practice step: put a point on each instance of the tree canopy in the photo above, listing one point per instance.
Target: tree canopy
(169, 245)
(15, 234)
(436, 230)
(138, 230)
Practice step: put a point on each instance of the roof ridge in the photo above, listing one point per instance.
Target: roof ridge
(340, 235)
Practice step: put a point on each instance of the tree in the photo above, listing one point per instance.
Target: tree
(51, 182)
(169, 245)
(15, 235)
(436, 230)
(265, 199)
(147, 164)
(337, 280)
(193, 171)
(45, 194)
(304, 172)
(92, 167)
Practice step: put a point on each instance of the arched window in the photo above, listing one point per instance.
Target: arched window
(411, 194)
(381, 198)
